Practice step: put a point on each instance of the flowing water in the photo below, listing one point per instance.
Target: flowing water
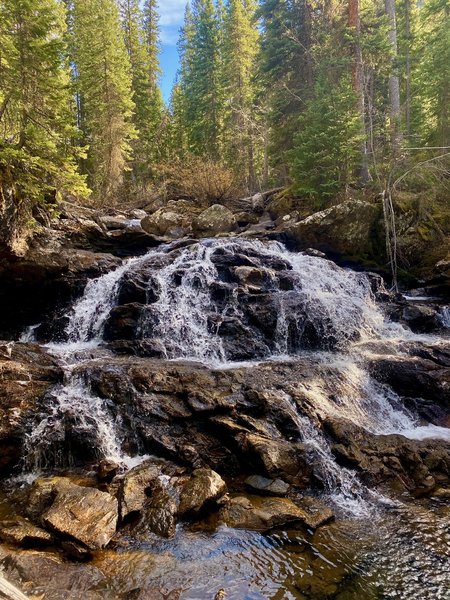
(184, 316)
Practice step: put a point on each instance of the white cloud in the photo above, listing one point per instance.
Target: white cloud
(171, 14)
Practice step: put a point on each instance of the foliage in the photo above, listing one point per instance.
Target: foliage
(326, 149)
(203, 180)
(103, 82)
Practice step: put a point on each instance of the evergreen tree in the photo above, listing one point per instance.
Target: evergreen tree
(38, 147)
(326, 149)
(434, 72)
(105, 87)
(241, 49)
(201, 81)
(141, 41)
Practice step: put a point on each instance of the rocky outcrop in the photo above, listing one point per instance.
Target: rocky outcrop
(415, 466)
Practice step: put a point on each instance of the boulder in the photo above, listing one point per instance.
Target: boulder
(166, 223)
(86, 515)
(265, 486)
(159, 515)
(47, 575)
(204, 487)
(215, 220)
(351, 229)
(24, 533)
(413, 465)
(260, 514)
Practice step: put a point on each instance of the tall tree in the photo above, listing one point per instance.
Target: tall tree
(38, 147)
(394, 82)
(141, 41)
(354, 24)
(241, 46)
(433, 71)
(105, 87)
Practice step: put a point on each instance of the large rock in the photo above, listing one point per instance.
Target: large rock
(413, 465)
(215, 220)
(349, 229)
(260, 514)
(202, 489)
(46, 575)
(165, 222)
(84, 514)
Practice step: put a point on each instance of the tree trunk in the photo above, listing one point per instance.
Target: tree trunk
(394, 83)
(354, 23)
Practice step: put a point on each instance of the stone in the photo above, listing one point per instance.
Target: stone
(278, 458)
(23, 533)
(164, 222)
(160, 514)
(45, 574)
(203, 488)
(260, 514)
(269, 487)
(134, 486)
(85, 514)
(352, 228)
(27, 373)
(215, 220)
(421, 318)
(317, 513)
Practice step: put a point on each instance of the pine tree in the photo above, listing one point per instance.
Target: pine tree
(38, 147)
(433, 72)
(157, 112)
(105, 88)
(241, 48)
(201, 81)
(141, 41)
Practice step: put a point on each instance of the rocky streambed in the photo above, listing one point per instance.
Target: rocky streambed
(212, 418)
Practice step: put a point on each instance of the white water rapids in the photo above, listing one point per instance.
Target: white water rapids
(338, 302)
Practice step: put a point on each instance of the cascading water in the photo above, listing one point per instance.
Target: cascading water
(205, 301)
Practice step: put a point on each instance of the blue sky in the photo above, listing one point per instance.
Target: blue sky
(171, 18)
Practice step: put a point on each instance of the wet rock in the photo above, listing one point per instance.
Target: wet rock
(138, 286)
(23, 533)
(260, 514)
(317, 513)
(390, 458)
(213, 221)
(159, 515)
(44, 574)
(107, 470)
(27, 374)
(414, 377)
(123, 322)
(84, 514)
(269, 487)
(277, 458)
(255, 279)
(421, 318)
(203, 488)
(134, 488)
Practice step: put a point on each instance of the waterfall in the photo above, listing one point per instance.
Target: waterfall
(208, 299)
